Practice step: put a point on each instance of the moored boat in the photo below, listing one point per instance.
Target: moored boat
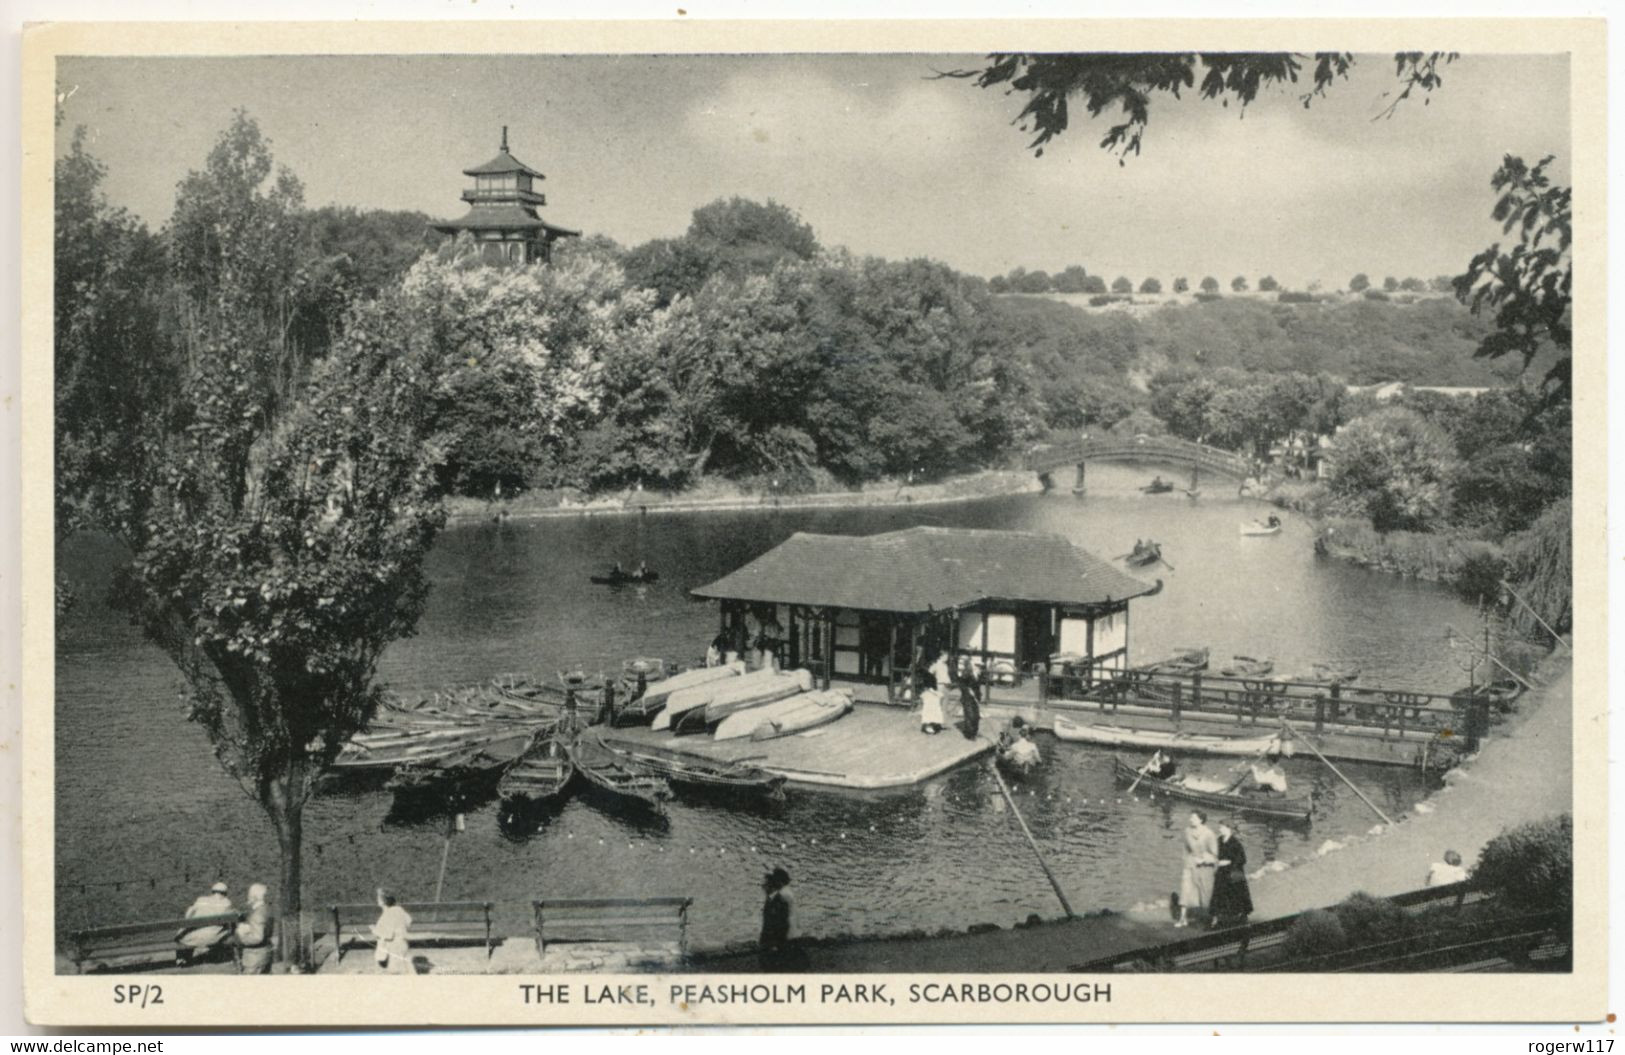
(617, 576)
(735, 700)
(1330, 674)
(1247, 667)
(611, 773)
(803, 711)
(1151, 739)
(687, 769)
(541, 774)
(1181, 661)
(1281, 807)
(470, 768)
(656, 694)
(682, 701)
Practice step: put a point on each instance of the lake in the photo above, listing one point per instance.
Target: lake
(146, 819)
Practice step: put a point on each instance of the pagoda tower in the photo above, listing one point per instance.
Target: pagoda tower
(502, 211)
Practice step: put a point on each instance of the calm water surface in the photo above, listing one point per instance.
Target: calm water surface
(142, 804)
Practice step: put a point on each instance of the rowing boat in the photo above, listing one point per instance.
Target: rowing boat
(655, 694)
(1281, 807)
(609, 772)
(687, 769)
(1247, 667)
(470, 766)
(798, 713)
(1151, 740)
(682, 701)
(1272, 526)
(1148, 555)
(541, 774)
(734, 700)
(1183, 661)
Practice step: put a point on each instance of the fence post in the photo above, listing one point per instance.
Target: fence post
(1177, 693)
(1196, 690)
(1320, 712)
(1337, 694)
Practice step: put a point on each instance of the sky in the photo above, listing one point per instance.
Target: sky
(872, 151)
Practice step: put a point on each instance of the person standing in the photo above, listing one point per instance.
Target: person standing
(391, 930)
(256, 934)
(774, 943)
(199, 941)
(1232, 900)
(970, 709)
(1196, 878)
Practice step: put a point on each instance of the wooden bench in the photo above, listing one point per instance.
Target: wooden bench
(609, 919)
(132, 944)
(452, 922)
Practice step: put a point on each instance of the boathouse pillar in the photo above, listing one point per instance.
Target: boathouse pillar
(827, 622)
(891, 659)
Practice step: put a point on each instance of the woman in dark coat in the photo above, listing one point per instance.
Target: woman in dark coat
(1232, 902)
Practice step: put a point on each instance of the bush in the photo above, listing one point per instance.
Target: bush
(1315, 933)
(1296, 297)
(1368, 920)
(1480, 572)
(1376, 294)
(1206, 297)
(1531, 867)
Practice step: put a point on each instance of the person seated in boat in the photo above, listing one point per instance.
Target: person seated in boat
(1273, 521)
(713, 651)
(1022, 752)
(617, 572)
(1008, 735)
(1269, 778)
(643, 570)
(1162, 766)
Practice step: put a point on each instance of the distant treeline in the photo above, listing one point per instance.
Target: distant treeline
(1076, 279)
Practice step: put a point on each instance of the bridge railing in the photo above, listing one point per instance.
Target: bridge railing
(1159, 447)
(1263, 702)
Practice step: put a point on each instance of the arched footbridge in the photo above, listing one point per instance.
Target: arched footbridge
(1199, 458)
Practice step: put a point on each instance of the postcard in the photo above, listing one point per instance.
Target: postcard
(694, 522)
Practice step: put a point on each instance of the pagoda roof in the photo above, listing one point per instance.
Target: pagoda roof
(501, 165)
(924, 569)
(503, 217)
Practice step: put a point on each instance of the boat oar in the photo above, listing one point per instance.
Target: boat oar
(1295, 735)
(1143, 771)
(1065, 907)
(1170, 566)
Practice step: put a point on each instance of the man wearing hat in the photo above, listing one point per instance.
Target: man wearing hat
(196, 943)
(775, 941)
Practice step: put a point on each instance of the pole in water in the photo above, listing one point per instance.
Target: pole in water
(1059, 894)
(1355, 788)
(445, 853)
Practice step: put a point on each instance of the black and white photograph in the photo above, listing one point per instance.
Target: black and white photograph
(988, 531)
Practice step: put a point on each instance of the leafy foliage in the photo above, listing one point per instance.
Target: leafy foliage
(1126, 83)
(1395, 468)
(1529, 286)
(1531, 867)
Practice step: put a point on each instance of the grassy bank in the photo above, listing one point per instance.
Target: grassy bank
(714, 496)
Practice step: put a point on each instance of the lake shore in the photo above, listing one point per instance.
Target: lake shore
(727, 499)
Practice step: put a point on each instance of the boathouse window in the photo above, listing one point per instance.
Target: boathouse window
(848, 642)
(1111, 632)
(1001, 633)
(1074, 635)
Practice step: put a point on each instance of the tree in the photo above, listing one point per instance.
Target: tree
(1127, 83)
(1121, 284)
(1390, 284)
(1267, 284)
(1032, 282)
(277, 512)
(1182, 284)
(1394, 467)
(1359, 283)
(1094, 284)
(1442, 283)
(1413, 285)
(1530, 285)
(1000, 284)
(1239, 284)
(1072, 280)
(1210, 285)
(1151, 285)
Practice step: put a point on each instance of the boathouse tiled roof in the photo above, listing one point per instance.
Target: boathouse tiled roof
(926, 568)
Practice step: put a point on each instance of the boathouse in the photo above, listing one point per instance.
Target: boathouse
(502, 215)
(873, 611)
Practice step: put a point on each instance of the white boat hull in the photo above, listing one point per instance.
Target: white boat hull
(1152, 740)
